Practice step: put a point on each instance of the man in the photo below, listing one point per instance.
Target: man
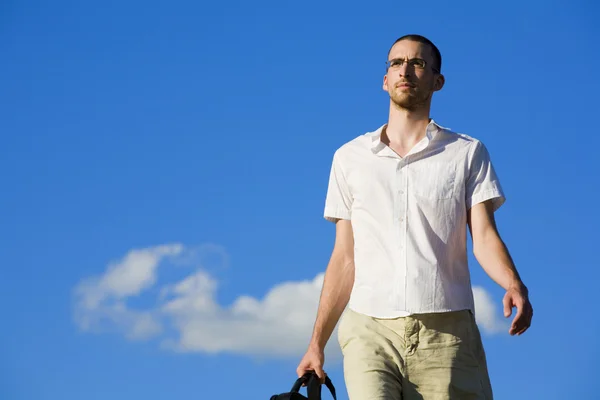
(402, 198)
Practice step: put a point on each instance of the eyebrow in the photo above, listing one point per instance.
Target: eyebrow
(404, 58)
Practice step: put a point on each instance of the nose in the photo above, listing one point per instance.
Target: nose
(404, 70)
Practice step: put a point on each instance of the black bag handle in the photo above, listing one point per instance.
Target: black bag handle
(313, 386)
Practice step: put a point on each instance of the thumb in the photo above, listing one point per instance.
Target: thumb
(507, 301)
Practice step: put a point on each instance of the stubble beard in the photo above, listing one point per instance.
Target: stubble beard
(409, 101)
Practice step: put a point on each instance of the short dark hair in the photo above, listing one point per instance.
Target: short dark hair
(437, 56)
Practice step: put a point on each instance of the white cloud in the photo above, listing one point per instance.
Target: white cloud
(187, 318)
(486, 312)
(280, 324)
(100, 301)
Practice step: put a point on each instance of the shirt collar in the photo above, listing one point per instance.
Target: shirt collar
(433, 129)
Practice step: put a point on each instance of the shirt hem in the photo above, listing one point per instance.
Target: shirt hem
(392, 314)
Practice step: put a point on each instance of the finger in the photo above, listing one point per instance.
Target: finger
(528, 316)
(301, 370)
(523, 329)
(507, 302)
(519, 319)
(320, 373)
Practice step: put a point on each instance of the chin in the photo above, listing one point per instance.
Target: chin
(404, 101)
(407, 101)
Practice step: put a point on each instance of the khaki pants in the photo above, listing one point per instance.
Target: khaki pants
(425, 356)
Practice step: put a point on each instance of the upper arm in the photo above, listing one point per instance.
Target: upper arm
(481, 221)
(344, 241)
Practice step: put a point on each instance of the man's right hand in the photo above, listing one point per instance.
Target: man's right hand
(313, 360)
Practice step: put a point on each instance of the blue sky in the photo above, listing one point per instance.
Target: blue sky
(165, 168)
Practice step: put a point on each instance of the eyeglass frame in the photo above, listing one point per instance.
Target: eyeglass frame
(425, 63)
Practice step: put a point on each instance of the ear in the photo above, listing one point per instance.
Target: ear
(385, 83)
(440, 80)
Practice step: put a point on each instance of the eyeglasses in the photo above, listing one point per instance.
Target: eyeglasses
(416, 63)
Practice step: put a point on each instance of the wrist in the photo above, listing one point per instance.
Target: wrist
(316, 345)
(517, 285)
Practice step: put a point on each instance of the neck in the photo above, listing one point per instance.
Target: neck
(405, 128)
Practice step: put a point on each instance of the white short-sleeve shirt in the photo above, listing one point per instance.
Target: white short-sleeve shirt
(409, 217)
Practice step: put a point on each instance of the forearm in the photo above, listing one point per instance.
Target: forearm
(337, 286)
(493, 256)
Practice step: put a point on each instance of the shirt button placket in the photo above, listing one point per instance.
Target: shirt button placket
(398, 205)
(401, 206)
(401, 224)
(404, 232)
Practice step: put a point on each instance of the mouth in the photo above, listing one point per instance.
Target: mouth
(405, 85)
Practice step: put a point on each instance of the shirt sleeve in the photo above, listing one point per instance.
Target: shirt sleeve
(482, 182)
(338, 202)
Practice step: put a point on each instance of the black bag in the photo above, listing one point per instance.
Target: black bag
(313, 388)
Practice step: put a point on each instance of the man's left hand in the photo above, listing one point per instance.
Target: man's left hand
(517, 296)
